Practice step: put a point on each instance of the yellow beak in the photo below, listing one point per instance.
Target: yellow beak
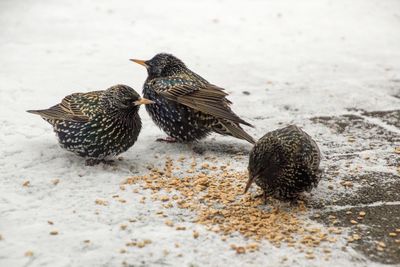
(143, 101)
(140, 62)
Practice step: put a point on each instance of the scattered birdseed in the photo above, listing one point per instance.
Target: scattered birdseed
(310, 256)
(26, 183)
(55, 181)
(101, 202)
(353, 222)
(54, 233)
(351, 139)
(381, 244)
(180, 228)
(195, 234)
(215, 196)
(123, 226)
(1, 237)
(392, 234)
(348, 212)
(169, 223)
(397, 150)
(347, 183)
(362, 213)
(240, 250)
(164, 198)
(28, 254)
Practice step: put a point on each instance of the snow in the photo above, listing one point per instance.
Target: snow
(298, 59)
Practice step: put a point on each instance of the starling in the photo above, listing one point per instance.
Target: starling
(284, 163)
(97, 124)
(187, 107)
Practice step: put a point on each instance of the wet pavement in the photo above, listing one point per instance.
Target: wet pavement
(365, 163)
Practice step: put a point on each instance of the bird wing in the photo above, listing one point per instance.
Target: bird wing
(204, 97)
(75, 107)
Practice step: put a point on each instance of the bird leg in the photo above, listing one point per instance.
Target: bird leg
(168, 139)
(264, 196)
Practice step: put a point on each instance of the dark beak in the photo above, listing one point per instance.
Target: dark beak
(140, 62)
(143, 101)
(249, 182)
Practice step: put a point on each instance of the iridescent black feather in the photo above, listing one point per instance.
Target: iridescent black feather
(285, 163)
(187, 107)
(97, 124)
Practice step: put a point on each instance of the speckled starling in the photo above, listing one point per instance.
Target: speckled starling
(187, 107)
(284, 163)
(97, 125)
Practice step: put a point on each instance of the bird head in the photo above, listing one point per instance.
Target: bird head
(122, 97)
(162, 65)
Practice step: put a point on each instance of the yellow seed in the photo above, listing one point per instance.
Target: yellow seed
(101, 202)
(54, 233)
(240, 250)
(28, 253)
(362, 213)
(169, 223)
(392, 234)
(164, 198)
(310, 256)
(195, 234)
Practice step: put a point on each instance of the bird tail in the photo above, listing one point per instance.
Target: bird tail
(233, 129)
(37, 112)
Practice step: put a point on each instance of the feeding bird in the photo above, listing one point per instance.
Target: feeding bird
(284, 163)
(97, 124)
(187, 107)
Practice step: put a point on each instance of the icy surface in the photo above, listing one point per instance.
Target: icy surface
(298, 60)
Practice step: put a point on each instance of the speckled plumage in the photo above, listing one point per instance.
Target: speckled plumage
(284, 163)
(97, 124)
(187, 107)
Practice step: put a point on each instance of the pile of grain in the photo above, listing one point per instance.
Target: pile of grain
(214, 192)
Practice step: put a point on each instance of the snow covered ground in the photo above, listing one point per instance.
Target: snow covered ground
(297, 59)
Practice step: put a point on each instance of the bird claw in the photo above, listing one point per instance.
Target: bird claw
(168, 139)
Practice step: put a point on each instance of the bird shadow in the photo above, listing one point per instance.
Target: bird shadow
(222, 147)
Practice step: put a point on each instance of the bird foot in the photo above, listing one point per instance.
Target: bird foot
(264, 196)
(92, 162)
(168, 139)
